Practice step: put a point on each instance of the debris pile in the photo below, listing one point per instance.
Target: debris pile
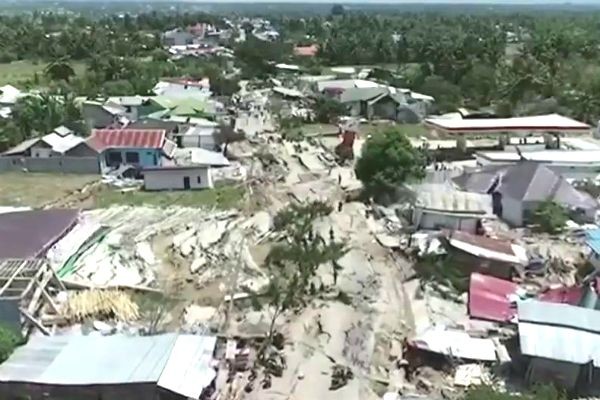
(100, 304)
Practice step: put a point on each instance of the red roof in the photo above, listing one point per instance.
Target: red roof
(306, 51)
(133, 138)
(564, 295)
(489, 298)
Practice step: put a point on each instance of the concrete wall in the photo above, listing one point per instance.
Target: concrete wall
(96, 117)
(543, 370)
(425, 220)
(173, 179)
(512, 211)
(146, 157)
(205, 141)
(67, 165)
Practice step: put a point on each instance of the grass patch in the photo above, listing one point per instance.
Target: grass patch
(21, 71)
(223, 197)
(37, 189)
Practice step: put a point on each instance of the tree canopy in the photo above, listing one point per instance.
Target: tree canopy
(387, 161)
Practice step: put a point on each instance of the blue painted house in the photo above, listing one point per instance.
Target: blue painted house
(138, 147)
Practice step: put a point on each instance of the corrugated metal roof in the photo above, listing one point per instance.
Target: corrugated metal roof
(569, 333)
(133, 138)
(21, 147)
(28, 234)
(455, 202)
(543, 123)
(490, 298)
(180, 363)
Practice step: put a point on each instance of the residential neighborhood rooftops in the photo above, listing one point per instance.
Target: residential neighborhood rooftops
(539, 123)
(133, 138)
(179, 363)
(28, 234)
(573, 339)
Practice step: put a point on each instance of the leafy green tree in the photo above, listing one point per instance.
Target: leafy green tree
(338, 9)
(59, 70)
(550, 217)
(387, 161)
(541, 392)
(328, 109)
(447, 95)
(9, 340)
(39, 114)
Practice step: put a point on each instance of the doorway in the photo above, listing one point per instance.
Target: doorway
(186, 182)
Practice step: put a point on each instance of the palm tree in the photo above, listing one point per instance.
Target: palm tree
(59, 70)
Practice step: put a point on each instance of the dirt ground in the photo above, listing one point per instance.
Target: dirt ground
(39, 189)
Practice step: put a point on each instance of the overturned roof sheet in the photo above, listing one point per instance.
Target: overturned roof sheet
(288, 92)
(569, 333)
(492, 299)
(489, 248)
(180, 363)
(538, 123)
(30, 234)
(455, 343)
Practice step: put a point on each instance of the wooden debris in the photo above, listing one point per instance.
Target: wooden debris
(114, 304)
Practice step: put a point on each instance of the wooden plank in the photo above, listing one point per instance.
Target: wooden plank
(12, 278)
(50, 301)
(35, 322)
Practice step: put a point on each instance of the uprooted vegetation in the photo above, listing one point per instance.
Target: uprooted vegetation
(292, 265)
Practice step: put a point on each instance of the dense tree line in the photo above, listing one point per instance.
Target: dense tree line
(518, 64)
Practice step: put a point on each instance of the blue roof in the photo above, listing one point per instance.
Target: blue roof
(593, 240)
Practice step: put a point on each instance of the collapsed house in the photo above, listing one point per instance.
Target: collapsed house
(569, 352)
(168, 366)
(487, 255)
(373, 100)
(440, 206)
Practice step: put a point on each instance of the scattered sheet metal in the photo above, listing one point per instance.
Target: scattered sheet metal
(470, 375)
(453, 343)
(493, 299)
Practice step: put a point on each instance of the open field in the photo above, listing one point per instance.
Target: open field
(220, 197)
(38, 189)
(20, 71)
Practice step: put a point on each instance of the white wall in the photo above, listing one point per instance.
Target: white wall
(426, 220)
(172, 179)
(205, 141)
(41, 152)
(512, 211)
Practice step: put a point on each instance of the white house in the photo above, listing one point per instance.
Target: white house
(183, 88)
(178, 177)
(200, 136)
